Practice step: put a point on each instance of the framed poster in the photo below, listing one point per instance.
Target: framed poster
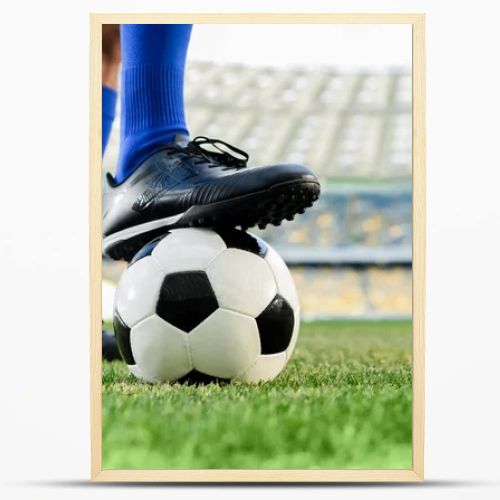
(257, 247)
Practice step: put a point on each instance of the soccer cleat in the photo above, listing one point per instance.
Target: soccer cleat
(109, 347)
(204, 182)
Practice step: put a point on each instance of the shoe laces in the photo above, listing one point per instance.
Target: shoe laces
(214, 151)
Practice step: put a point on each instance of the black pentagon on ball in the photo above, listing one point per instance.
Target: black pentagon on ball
(275, 325)
(186, 299)
(194, 377)
(236, 238)
(122, 335)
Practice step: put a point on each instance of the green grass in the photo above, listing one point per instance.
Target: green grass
(344, 401)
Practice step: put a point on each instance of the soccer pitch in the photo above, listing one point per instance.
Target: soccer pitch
(343, 402)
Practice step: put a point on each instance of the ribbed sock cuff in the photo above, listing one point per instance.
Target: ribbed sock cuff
(153, 99)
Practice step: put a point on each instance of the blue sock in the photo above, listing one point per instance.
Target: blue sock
(108, 114)
(152, 84)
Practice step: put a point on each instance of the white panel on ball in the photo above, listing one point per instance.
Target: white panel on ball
(266, 367)
(295, 334)
(242, 281)
(160, 350)
(136, 371)
(284, 280)
(188, 249)
(138, 291)
(225, 344)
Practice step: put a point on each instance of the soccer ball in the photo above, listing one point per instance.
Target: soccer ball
(199, 305)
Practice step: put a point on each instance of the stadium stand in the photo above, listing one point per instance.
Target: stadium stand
(351, 253)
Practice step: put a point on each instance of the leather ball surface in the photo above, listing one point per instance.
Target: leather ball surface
(199, 305)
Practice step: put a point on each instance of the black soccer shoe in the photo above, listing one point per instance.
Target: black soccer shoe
(186, 184)
(109, 347)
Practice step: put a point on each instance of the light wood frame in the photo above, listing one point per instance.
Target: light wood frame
(95, 213)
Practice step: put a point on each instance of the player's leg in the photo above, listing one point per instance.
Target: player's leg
(163, 179)
(152, 84)
(110, 75)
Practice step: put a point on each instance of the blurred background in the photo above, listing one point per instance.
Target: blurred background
(338, 99)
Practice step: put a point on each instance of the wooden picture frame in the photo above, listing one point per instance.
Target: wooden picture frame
(418, 38)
